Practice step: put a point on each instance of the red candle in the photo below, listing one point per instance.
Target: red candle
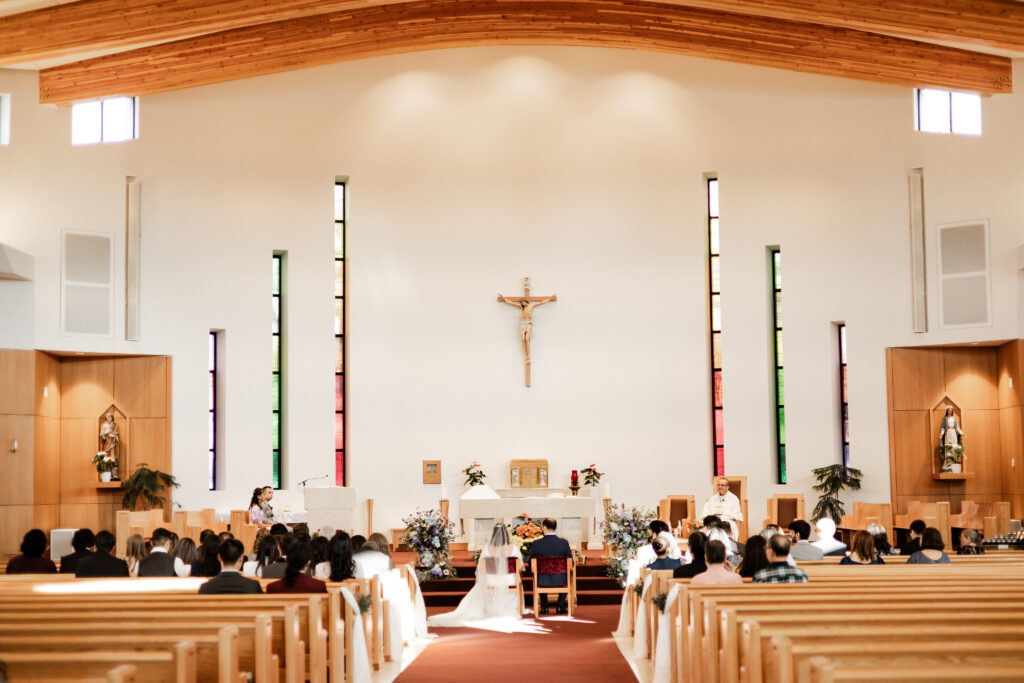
(575, 478)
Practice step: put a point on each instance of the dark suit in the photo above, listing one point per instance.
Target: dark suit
(230, 582)
(100, 564)
(274, 570)
(157, 564)
(664, 563)
(551, 546)
(688, 571)
(68, 563)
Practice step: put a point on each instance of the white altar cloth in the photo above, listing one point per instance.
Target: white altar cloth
(574, 514)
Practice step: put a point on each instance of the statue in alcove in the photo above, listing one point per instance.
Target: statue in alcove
(951, 440)
(109, 439)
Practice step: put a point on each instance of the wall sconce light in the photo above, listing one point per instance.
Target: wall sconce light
(14, 445)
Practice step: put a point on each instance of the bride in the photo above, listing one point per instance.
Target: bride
(493, 596)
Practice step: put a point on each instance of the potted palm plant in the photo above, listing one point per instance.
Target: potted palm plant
(144, 486)
(832, 481)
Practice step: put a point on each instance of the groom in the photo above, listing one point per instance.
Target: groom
(551, 545)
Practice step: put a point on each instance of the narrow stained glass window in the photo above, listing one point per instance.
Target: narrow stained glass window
(277, 340)
(844, 398)
(780, 385)
(715, 325)
(213, 410)
(340, 239)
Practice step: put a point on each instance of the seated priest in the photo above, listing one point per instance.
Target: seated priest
(724, 504)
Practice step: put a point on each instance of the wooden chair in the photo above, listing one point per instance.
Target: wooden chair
(932, 514)
(866, 514)
(783, 508)
(737, 487)
(677, 509)
(991, 519)
(243, 530)
(141, 522)
(554, 565)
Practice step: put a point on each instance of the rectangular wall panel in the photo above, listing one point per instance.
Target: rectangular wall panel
(132, 256)
(918, 281)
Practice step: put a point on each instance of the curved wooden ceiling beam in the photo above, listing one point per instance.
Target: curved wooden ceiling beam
(93, 25)
(435, 24)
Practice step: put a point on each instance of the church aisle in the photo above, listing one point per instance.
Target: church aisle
(553, 648)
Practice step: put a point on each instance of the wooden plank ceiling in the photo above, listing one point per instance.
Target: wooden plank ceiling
(954, 44)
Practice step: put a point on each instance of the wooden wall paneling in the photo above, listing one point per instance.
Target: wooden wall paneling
(982, 445)
(15, 520)
(149, 444)
(954, 500)
(46, 517)
(1016, 501)
(96, 516)
(17, 377)
(48, 379)
(892, 428)
(140, 386)
(437, 24)
(1011, 457)
(46, 465)
(1009, 369)
(16, 471)
(971, 376)
(87, 388)
(78, 477)
(914, 450)
(918, 379)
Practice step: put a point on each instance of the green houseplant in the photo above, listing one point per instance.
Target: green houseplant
(144, 487)
(832, 481)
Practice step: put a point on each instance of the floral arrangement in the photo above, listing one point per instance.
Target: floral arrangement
(365, 602)
(659, 601)
(954, 453)
(104, 461)
(430, 534)
(694, 525)
(638, 588)
(591, 476)
(524, 532)
(625, 531)
(474, 475)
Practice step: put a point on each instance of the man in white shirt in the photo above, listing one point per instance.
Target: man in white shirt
(826, 538)
(725, 505)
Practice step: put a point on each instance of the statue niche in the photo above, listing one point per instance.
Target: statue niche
(113, 438)
(948, 434)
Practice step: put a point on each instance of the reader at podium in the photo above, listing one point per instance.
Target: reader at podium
(725, 505)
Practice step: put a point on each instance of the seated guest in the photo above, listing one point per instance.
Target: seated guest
(230, 579)
(698, 565)
(295, 579)
(778, 569)
(754, 559)
(382, 544)
(931, 549)
(31, 560)
(160, 561)
(339, 565)
(827, 542)
(769, 531)
(102, 563)
(186, 552)
(863, 550)
(370, 561)
(722, 536)
(970, 543)
(320, 547)
(663, 561)
(802, 548)
(268, 510)
(717, 572)
(913, 543)
(205, 534)
(882, 546)
(84, 543)
(278, 529)
(207, 563)
(134, 552)
(357, 542)
(255, 506)
(276, 569)
(224, 535)
(267, 554)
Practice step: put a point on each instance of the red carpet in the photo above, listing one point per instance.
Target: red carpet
(581, 649)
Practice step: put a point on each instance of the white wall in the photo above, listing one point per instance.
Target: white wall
(582, 168)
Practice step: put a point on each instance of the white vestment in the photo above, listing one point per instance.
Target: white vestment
(727, 507)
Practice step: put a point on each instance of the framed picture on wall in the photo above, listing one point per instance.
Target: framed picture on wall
(431, 471)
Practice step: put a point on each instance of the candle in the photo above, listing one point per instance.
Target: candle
(444, 492)
(575, 478)
(607, 490)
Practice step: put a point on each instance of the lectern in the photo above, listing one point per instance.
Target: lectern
(334, 506)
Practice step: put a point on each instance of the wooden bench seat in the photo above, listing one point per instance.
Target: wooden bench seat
(176, 665)
(824, 671)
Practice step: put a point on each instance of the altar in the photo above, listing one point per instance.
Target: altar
(575, 514)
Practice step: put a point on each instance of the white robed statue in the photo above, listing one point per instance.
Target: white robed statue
(492, 602)
(951, 439)
(725, 505)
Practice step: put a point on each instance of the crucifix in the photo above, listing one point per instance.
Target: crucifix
(526, 304)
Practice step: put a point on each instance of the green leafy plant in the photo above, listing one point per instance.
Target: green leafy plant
(144, 487)
(474, 475)
(591, 476)
(832, 481)
(659, 601)
(365, 603)
(104, 462)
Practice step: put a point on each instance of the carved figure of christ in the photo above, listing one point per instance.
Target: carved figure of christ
(526, 304)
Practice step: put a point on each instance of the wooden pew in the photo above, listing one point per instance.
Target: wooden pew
(243, 530)
(866, 514)
(824, 671)
(191, 523)
(932, 514)
(176, 665)
(141, 522)
(991, 519)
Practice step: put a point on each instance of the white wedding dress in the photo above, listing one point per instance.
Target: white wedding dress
(492, 603)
